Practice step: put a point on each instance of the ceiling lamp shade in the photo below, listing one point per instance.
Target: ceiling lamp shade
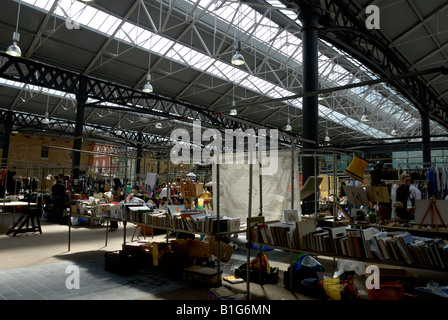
(288, 127)
(233, 112)
(365, 118)
(46, 120)
(148, 87)
(14, 50)
(238, 58)
(394, 132)
(118, 132)
(158, 125)
(327, 138)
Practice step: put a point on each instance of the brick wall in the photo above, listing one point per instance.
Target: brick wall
(26, 151)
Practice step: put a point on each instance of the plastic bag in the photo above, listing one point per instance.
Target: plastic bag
(306, 266)
(332, 288)
(255, 264)
(435, 288)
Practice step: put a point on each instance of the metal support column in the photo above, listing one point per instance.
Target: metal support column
(81, 98)
(7, 137)
(309, 14)
(426, 142)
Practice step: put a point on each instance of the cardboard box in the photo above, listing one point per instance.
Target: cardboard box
(133, 247)
(190, 248)
(225, 250)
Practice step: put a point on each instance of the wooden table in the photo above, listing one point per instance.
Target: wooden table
(29, 215)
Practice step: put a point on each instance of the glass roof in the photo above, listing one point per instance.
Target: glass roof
(264, 34)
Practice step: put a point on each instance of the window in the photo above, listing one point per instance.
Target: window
(44, 152)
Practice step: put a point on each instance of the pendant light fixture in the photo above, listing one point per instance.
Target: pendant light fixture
(327, 137)
(46, 120)
(238, 58)
(119, 132)
(288, 126)
(394, 131)
(365, 117)
(233, 111)
(158, 125)
(148, 87)
(14, 50)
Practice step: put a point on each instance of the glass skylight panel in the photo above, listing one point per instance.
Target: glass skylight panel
(109, 25)
(98, 19)
(246, 17)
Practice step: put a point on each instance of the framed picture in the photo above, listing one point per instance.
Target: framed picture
(291, 216)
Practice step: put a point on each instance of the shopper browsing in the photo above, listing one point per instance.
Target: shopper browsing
(406, 195)
(58, 196)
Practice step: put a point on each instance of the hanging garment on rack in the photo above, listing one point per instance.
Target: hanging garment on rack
(393, 195)
(443, 179)
(432, 185)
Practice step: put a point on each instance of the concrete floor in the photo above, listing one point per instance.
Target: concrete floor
(37, 266)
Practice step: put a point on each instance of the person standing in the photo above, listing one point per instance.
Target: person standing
(117, 197)
(405, 197)
(58, 196)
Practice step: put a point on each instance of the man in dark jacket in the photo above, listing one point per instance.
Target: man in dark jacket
(58, 196)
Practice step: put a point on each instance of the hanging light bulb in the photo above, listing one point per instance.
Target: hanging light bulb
(14, 50)
(238, 58)
(233, 112)
(365, 117)
(148, 87)
(158, 125)
(46, 120)
(288, 126)
(394, 131)
(118, 132)
(327, 137)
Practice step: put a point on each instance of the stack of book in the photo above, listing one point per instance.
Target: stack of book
(197, 221)
(370, 243)
(158, 219)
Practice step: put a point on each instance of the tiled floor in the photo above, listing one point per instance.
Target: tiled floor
(37, 267)
(56, 281)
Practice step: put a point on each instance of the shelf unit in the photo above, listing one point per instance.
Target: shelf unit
(433, 232)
